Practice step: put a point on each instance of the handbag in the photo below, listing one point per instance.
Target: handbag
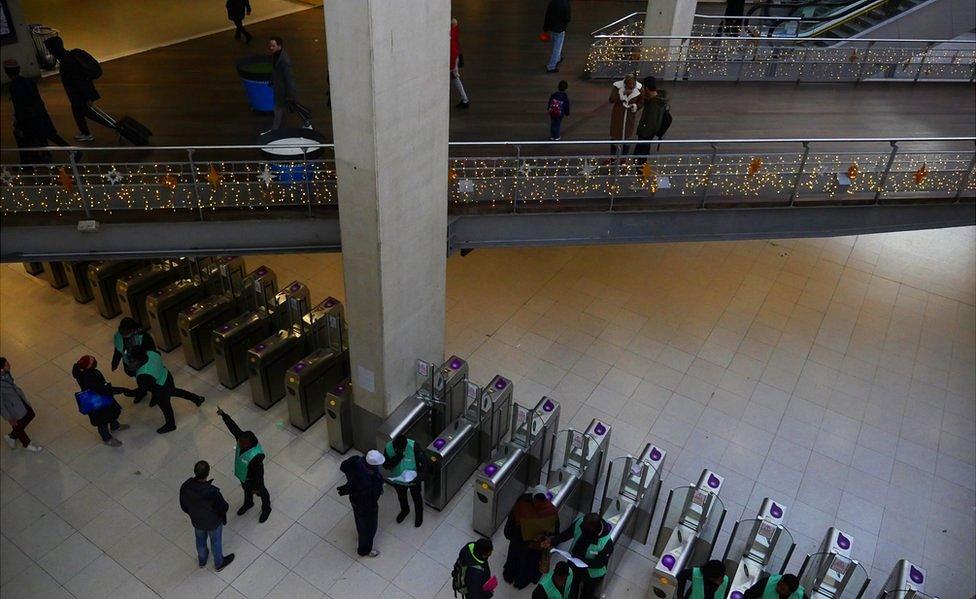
(91, 401)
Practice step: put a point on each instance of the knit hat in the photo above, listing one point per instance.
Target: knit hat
(86, 362)
(374, 458)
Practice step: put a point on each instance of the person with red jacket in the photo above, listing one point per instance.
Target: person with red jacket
(456, 63)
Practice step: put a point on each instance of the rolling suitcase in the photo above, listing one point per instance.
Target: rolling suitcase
(127, 127)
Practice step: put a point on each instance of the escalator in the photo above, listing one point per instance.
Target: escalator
(826, 18)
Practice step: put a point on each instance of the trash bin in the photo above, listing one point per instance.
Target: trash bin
(255, 72)
(39, 33)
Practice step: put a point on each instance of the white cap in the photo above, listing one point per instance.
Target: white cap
(374, 458)
(540, 490)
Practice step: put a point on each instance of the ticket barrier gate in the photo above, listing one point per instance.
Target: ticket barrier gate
(163, 306)
(454, 453)
(518, 463)
(134, 287)
(758, 547)
(690, 526)
(338, 416)
(270, 358)
(198, 322)
(233, 339)
(907, 581)
(575, 469)
(54, 275)
(77, 273)
(832, 573)
(309, 380)
(33, 268)
(103, 277)
(498, 395)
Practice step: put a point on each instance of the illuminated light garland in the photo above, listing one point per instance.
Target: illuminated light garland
(852, 171)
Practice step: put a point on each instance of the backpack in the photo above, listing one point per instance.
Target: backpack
(88, 64)
(555, 108)
(457, 578)
(666, 121)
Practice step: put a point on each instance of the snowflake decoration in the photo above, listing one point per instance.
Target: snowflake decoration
(114, 177)
(266, 176)
(6, 177)
(587, 169)
(524, 171)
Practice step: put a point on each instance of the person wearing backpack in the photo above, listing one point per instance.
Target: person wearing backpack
(558, 110)
(402, 456)
(471, 577)
(652, 121)
(592, 544)
(78, 72)
(90, 378)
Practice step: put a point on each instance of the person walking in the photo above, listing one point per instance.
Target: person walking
(201, 500)
(402, 457)
(153, 377)
(106, 420)
(284, 87)
(78, 71)
(651, 123)
(129, 336)
(592, 544)
(457, 63)
(33, 127)
(626, 100)
(556, 21)
(15, 409)
(364, 485)
(248, 467)
(236, 10)
(556, 584)
(533, 519)
(707, 582)
(471, 577)
(558, 108)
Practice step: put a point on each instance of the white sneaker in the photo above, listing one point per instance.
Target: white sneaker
(374, 553)
(34, 448)
(10, 441)
(307, 125)
(84, 137)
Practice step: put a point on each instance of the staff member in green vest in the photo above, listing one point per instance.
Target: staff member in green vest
(557, 584)
(130, 335)
(707, 582)
(592, 544)
(153, 377)
(248, 467)
(786, 586)
(403, 455)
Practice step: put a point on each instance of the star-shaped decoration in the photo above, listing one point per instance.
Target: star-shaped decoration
(170, 181)
(65, 179)
(587, 169)
(6, 177)
(524, 171)
(113, 177)
(452, 174)
(921, 174)
(266, 176)
(647, 172)
(755, 165)
(853, 171)
(214, 177)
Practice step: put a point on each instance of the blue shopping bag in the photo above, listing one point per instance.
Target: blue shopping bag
(91, 401)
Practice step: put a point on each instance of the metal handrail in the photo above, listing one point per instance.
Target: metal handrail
(618, 21)
(710, 38)
(749, 18)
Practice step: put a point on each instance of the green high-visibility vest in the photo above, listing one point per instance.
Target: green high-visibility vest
(593, 549)
(120, 347)
(550, 587)
(698, 586)
(409, 461)
(241, 460)
(770, 591)
(154, 367)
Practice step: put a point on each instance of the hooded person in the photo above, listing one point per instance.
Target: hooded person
(364, 485)
(75, 70)
(248, 467)
(532, 520)
(106, 420)
(651, 122)
(626, 98)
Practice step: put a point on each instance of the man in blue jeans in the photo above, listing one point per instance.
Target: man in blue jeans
(202, 501)
(557, 18)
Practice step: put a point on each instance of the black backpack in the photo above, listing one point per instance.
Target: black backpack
(666, 121)
(458, 574)
(88, 64)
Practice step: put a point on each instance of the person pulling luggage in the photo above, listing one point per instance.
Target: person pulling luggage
(407, 466)
(78, 71)
(153, 377)
(248, 467)
(106, 419)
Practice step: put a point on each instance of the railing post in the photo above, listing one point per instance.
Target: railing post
(707, 177)
(965, 177)
(803, 63)
(308, 184)
(921, 63)
(799, 172)
(193, 181)
(864, 60)
(79, 183)
(884, 175)
(516, 180)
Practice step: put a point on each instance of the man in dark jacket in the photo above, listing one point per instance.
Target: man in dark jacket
(557, 19)
(152, 376)
(236, 9)
(284, 87)
(202, 501)
(592, 544)
(33, 126)
(77, 84)
(473, 571)
(248, 467)
(364, 485)
(652, 118)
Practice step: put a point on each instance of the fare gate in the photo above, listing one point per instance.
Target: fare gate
(232, 339)
(906, 581)
(77, 273)
(271, 357)
(338, 416)
(103, 277)
(54, 275)
(309, 380)
(832, 572)
(133, 288)
(758, 547)
(575, 469)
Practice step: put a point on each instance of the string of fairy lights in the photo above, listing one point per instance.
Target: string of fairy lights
(497, 182)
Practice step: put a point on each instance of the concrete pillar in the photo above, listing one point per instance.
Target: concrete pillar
(669, 17)
(389, 74)
(18, 44)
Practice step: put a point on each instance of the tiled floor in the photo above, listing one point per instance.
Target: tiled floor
(835, 375)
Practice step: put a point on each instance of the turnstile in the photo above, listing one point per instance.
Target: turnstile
(33, 268)
(497, 394)
(338, 416)
(268, 361)
(54, 275)
(690, 526)
(454, 452)
(77, 273)
(518, 463)
(576, 467)
(832, 573)
(103, 276)
(232, 340)
(134, 287)
(309, 380)
(447, 393)
(630, 493)
(759, 546)
(907, 581)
